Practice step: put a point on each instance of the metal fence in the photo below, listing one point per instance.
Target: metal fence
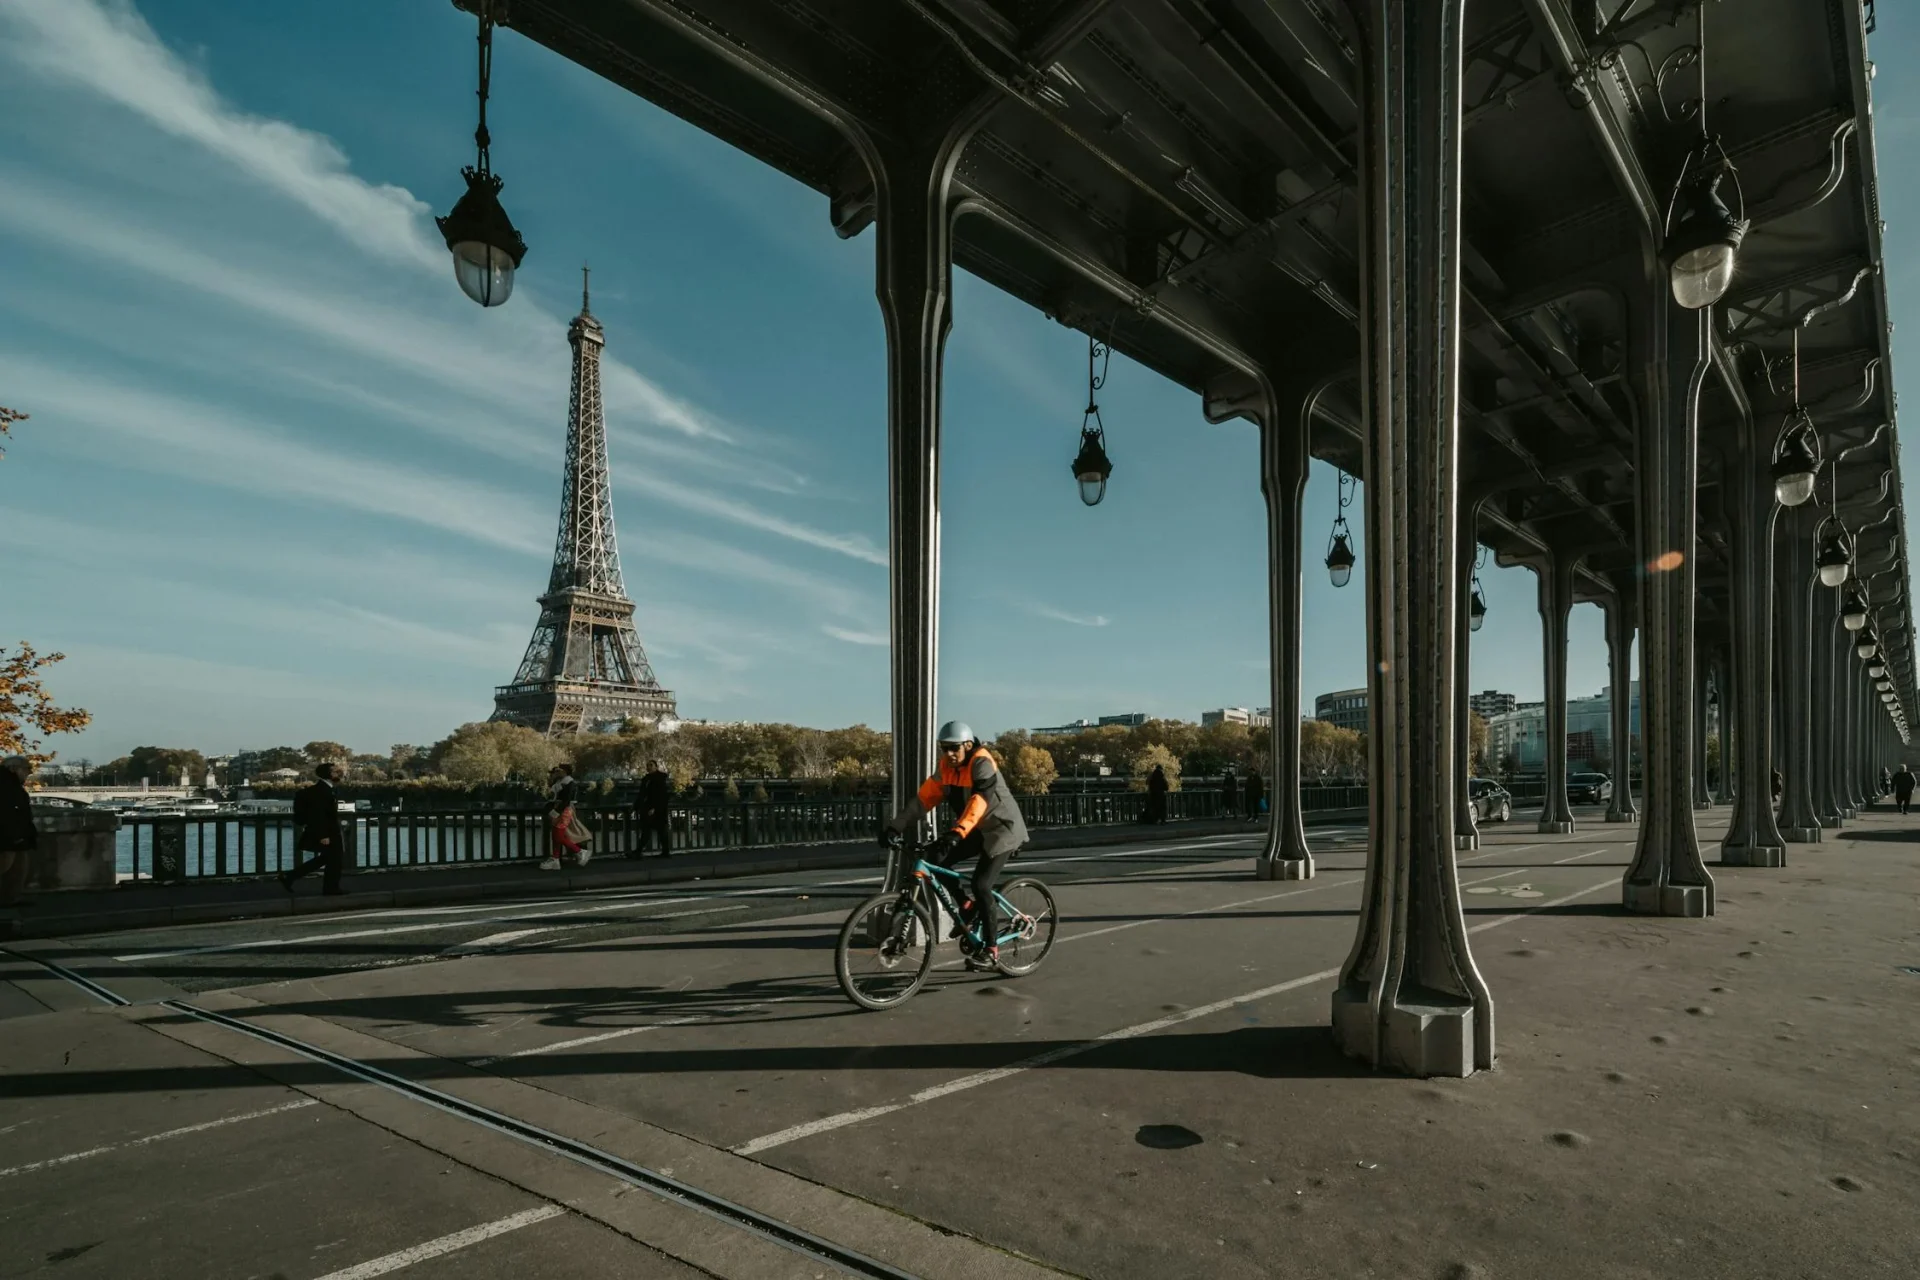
(224, 845)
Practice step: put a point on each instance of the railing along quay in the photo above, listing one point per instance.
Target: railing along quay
(228, 845)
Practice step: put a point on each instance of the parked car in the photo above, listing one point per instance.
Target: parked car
(1589, 788)
(1491, 801)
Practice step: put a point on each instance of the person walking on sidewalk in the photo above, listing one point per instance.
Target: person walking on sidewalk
(316, 819)
(1229, 792)
(654, 806)
(567, 847)
(1156, 810)
(18, 838)
(1256, 794)
(1903, 787)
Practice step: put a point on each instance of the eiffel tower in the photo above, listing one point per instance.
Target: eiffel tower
(584, 669)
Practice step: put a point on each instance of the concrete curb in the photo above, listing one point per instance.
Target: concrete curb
(152, 911)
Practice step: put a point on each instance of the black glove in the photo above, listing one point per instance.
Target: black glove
(888, 836)
(942, 846)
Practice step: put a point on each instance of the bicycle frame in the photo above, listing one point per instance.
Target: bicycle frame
(932, 877)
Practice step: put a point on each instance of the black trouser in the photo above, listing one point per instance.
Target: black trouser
(1903, 799)
(656, 823)
(986, 872)
(328, 862)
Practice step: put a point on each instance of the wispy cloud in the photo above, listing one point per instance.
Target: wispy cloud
(704, 555)
(1052, 614)
(876, 638)
(107, 48)
(855, 545)
(160, 432)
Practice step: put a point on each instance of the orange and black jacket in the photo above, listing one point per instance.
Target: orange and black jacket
(978, 795)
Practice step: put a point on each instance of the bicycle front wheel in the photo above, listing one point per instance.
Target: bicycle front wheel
(1026, 935)
(884, 952)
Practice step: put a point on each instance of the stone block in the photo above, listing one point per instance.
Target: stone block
(76, 849)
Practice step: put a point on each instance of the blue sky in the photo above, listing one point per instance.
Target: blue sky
(284, 482)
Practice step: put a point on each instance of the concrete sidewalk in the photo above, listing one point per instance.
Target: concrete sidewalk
(145, 905)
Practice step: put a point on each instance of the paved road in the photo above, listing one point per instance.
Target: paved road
(1153, 1102)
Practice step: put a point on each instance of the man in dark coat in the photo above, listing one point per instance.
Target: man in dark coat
(653, 806)
(1256, 792)
(316, 820)
(1157, 786)
(18, 839)
(1229, 792)
(1903, 787)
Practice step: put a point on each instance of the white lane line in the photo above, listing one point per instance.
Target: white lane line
(156, 1137)
(445, 1244)
(622, 1032)
(845, 1118)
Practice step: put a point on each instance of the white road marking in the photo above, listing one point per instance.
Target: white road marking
(845, 1118)
(156, 1137)
(619, 1033)
(445, 1244)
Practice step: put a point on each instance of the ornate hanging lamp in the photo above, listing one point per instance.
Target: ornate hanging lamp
(1092, 467)
(1477, 597)
(486, 248)
(1702, 236)
(1340, 558)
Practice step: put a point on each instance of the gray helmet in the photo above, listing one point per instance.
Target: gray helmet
(956, 731)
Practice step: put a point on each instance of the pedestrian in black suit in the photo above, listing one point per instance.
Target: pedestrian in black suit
(316, 820)
(654, 806)
(18, 838)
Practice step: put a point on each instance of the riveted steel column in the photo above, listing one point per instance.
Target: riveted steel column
(1667, 876)
(1285, 440)
(913, 219)
(1753, 834)
(1729, 723)
(1620, 692)
(1794, 578)
(1555, 583)
(1466, 831)
(1409, 998)
(1821, 738)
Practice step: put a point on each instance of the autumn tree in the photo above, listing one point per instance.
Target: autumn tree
(321, 751)
(1155, 756)
(7, 418)
(27, 710)
(1478, 738)
(494, 751)
(1030, 769)
(164, 765)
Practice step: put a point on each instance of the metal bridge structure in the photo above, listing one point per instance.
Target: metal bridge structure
(1432, 242)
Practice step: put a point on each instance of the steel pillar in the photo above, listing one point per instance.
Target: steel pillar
(1820, 739)
(1409, 997)
(1555, 583)
(1729, 723)
(1667, 876)
(1285, 441)
(1753, 834)
(1620, 690)
(1841, 713)
(1466, 831)
(914, 259)
(1795, 582)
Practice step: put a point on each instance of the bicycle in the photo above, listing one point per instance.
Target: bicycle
(886, 946)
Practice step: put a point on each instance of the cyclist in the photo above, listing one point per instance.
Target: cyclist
(987, 825)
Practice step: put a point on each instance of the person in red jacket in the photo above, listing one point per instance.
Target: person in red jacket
(986, 826)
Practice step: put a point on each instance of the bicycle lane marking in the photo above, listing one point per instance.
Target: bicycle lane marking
(845, 1118)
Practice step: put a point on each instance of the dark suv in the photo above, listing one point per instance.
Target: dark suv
(1491, 801)
(1589, 788)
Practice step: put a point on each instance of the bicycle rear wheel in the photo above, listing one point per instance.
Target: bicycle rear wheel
(1027, 933)
(879, 975)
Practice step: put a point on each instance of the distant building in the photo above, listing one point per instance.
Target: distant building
(1343, 708)
(1225, 715)
(1261, 719)
(1522, 734)
(1490, 703)
(1129, 719)
(1062, 730)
